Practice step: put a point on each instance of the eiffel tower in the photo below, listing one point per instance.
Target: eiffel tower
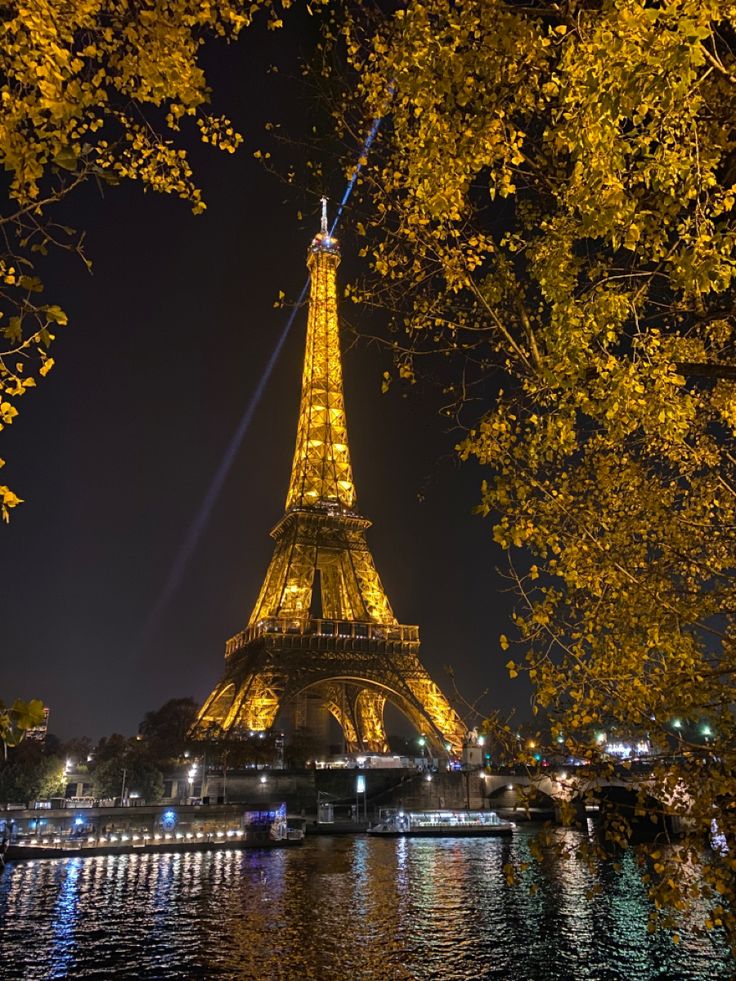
(355, 656)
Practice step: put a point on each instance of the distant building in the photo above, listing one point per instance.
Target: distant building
(40, 732)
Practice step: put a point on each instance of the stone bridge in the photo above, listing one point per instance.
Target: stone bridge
(568, 792)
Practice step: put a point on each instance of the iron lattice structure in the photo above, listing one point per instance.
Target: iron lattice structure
(355, 657)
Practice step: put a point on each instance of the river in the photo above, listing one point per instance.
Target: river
(341, 908)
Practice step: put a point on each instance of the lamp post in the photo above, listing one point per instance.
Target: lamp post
(677, 726)
(204, 789)
(191, 775)
(67, 769)
(360, 789)
(426, 753)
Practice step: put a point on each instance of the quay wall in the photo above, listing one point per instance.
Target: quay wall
(304, 789)
(301, 790)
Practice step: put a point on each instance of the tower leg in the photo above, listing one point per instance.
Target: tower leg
(369, 707)
(339, 702)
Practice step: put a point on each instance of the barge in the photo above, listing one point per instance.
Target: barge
(440, 824)
(260, 829)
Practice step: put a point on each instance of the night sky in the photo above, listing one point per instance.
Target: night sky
(114, 452)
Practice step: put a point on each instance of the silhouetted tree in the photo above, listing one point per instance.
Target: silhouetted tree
(141, 776)
(30, 774)
(165, 731)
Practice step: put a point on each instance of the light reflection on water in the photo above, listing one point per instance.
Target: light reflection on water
(342, 908)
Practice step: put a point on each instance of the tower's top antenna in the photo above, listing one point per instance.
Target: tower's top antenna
(323, 242)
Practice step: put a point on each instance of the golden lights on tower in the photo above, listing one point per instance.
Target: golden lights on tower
(321, 472)
(322, 625)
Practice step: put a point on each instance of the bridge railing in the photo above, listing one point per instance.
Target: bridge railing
(340, 629)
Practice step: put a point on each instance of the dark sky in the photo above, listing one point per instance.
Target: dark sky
(114, 452)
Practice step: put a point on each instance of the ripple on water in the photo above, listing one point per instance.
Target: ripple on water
(343, 908)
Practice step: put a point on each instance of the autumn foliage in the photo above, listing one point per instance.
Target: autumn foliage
(103, 90)
(550, 210)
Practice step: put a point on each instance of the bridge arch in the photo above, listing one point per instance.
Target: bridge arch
(647, 817)
(521, 797)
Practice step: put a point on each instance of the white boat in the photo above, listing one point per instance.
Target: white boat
(440, 824)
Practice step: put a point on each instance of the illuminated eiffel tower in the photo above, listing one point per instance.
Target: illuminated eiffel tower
(354, 656)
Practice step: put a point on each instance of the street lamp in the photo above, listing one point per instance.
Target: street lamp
(192, 776)
(360, 789)
(67, 767)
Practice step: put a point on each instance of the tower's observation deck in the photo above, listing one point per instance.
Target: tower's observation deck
(322, 623)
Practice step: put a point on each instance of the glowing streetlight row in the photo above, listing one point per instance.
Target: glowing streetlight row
(167, 836)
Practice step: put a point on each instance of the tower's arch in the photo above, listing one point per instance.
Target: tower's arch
(357, 704)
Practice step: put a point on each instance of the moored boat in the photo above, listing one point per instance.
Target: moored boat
(440, 824)
(262, 828)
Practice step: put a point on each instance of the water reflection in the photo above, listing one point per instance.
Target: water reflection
(341, 908)
(65, 919)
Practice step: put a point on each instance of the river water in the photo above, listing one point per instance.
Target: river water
(341, 908)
